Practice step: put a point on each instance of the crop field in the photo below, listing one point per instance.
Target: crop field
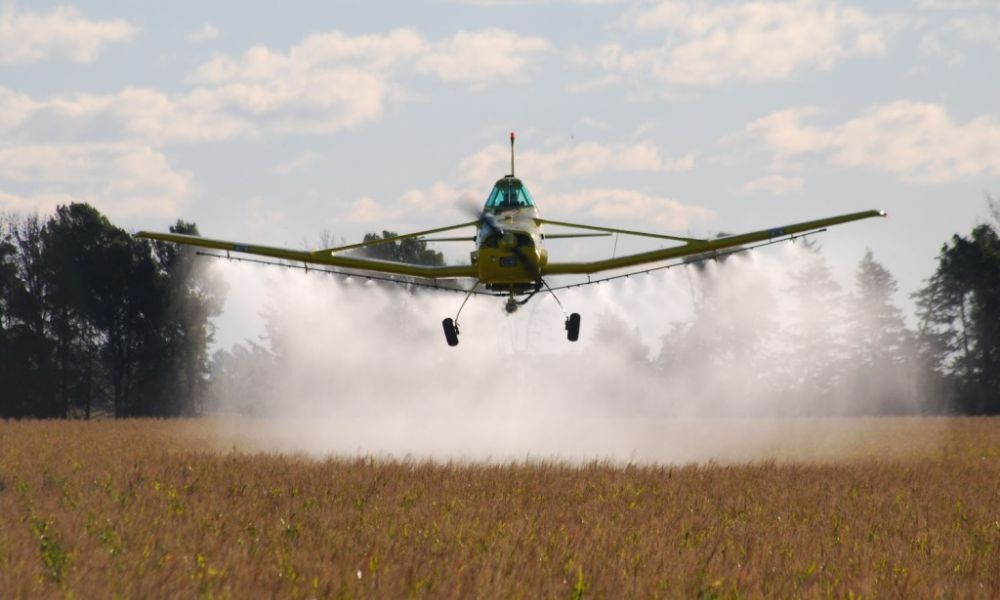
(201, 508)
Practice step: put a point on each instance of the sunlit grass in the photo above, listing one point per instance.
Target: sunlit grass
(169, 508)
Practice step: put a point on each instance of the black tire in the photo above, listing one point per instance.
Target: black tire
(573, 327)
(450, 333)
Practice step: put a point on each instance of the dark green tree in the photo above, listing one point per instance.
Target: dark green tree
(92, 318)
(29, 369)
(178, 364)
(959, 313)
(11, 369)
(410, 250)
(106, 298)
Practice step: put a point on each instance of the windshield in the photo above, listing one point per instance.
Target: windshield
(508, 193)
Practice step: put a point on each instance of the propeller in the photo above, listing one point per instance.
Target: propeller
(482, 216)
(490, 220)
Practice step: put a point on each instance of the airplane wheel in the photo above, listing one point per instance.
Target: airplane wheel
(450, 331)
(573, 327)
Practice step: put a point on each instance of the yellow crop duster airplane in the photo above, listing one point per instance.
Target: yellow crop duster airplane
(510, 258)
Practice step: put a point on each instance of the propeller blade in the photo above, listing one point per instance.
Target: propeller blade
(483, 216)
(491, 221)
(528, 265)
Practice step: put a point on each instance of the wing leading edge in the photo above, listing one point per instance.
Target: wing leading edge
(695, 246)
(330, 256)
(320, 257)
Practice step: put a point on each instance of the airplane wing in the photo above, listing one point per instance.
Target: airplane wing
(330, 256)
(691, 246)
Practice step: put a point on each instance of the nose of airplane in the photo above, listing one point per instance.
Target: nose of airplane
(508, 241)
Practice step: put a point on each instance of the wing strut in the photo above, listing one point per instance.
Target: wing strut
(405, 236)
(689, 260)
(697, 247)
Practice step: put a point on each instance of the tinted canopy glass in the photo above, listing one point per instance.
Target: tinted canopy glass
(508, 193)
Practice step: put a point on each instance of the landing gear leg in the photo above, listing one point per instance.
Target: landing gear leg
(572, 320)
(451, 325)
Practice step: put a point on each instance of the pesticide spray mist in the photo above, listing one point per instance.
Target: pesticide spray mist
(348, 366)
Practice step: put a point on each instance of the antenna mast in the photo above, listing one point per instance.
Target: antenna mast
(511, 153)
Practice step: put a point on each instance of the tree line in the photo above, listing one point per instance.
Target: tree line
(94, 320)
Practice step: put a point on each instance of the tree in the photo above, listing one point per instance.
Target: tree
(92, 319)
(178, 365)
(815, 358)
(725, 346)
(12, 368)
(106, 298)
(882, 370)
(959, 312)
(28, 375)
(410, 250)
(244, 378)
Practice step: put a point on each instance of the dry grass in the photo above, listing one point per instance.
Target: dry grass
(147, 509)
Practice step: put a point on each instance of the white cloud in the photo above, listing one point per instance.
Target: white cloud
(367, 210)
(333, 81)
(559, 167)
(960, 35)
(577, 160)
(684, 163)
(313, 55)
(326, 83)
(299, 163)
(478, 58)
(711, 44)
(782, 134)
(527, 2)
(594, 123)
(442, 201)
(952, 4)
(27, 37)
(445, 202)
(933, 44)
(148, 115)
(323, 101)
(593, 84)
(205, 33)
(979, 29)
(617, 206)
(773, 184)
(121, 180)
(918, 142)
(481, 58)
(41, 204)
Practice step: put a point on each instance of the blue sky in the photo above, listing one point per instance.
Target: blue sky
(277, 122)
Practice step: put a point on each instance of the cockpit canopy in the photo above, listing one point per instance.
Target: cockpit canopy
(508, 193)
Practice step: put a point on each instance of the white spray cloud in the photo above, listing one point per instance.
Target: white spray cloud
(364, 368)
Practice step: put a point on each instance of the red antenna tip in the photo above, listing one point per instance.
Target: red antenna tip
(512, 136)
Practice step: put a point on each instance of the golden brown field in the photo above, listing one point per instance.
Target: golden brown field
(897, 508)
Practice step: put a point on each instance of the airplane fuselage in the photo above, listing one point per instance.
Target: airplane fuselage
(513, 255)
(510, 245)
